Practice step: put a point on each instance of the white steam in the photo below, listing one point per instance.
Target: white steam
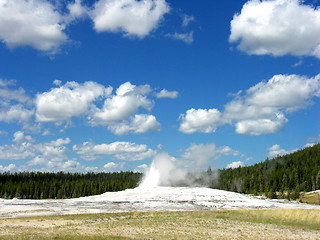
(169, 171)
(163, 171)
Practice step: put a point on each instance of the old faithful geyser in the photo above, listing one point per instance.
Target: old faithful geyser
(163, 171)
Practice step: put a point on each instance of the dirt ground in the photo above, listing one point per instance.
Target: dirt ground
(163, 225)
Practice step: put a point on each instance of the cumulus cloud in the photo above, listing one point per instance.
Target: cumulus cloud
(136, 156)
(70, 100)
(32, 23)
(118, 112)
(260, 110)
(140, 123)
(41, 154)
(141, 168)
(20, 137)
(186, 37)
(131, 17)
(42, 24)
(15, 104)
(11, 167)
(276, 150)
(22, 148)
(113, 167)
(235, 165)
(77, 10)
(120, 150)
(256, 127)
(277, 27)
(167, 94)
(201, 120)
(13, 113)
(289, 92)
(126, 102)
(66, 166)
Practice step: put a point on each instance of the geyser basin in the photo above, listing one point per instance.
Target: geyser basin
(143, 199)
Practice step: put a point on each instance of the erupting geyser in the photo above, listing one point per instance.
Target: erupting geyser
(163, 171)
(151, 178)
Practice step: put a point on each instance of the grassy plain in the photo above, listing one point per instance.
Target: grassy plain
(311, 198)
(231, 224)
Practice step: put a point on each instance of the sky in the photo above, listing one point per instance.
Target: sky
(109, 85)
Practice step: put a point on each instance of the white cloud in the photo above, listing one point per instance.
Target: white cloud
(297, 64)
(17, 113)
(201, 120)
(235, 165)
(57, 82)
(11, 167)
(133, 18)
(121, 150)
(167, 94)
(261, 126)
(277, 27)
(47, 133)
(276, 150)
(32, 23)
(113, 167)
(18, 151)
(309, 145)
(141, 168)
(127, 101)
(54, 150)
(66, 166)
(14, 103)
(36, 154)
(19, 137)
(260, 110)
(77, 10)
(60, 142)
(136, 156)
(186, 19)
(186, 37)
(138, 124)
(6, 83)
(70, 100)
(18, 95)
(289, 92)
(227, 151)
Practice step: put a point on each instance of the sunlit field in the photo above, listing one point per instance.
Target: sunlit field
(230, 224)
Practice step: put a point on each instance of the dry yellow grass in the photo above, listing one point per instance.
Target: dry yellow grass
(311, 198)
(237, 224)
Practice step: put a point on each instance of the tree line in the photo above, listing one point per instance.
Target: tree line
(49, 185)
(281, 177)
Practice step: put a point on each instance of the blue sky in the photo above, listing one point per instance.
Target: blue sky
(108, 85)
